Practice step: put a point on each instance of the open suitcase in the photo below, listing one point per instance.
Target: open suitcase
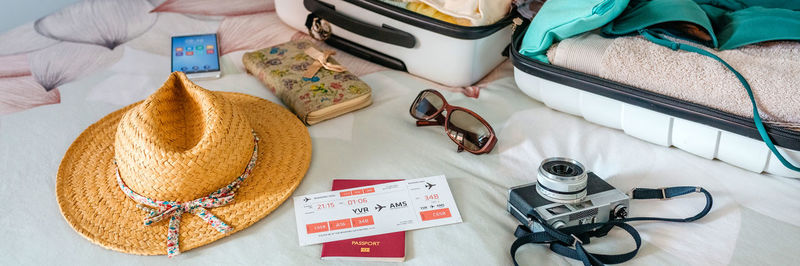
(450, 54)
(663, 120)
(459, 56)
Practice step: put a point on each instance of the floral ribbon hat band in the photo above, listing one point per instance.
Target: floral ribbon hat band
(226, 160)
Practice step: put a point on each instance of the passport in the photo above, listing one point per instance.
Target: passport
(389, 247)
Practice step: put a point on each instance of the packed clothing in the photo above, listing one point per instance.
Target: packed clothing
(460, 12)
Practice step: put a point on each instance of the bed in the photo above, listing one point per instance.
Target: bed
(755, 218)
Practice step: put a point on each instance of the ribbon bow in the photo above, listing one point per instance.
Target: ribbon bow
(321, 60)
(159, 210)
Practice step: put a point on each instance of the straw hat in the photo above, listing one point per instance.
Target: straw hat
(188, 155)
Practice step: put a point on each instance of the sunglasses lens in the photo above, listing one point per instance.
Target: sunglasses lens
(426, 105)
(466, 129)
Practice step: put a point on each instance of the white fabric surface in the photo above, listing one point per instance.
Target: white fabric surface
(755, 219)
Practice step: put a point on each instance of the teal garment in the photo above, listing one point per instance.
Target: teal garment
(732, 5)
(757, 24)
(730, 24)
(645, 14)
(561, 19)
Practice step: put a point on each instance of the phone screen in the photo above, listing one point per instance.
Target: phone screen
(195, 53)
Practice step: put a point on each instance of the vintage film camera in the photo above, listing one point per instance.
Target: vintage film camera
(566, 194)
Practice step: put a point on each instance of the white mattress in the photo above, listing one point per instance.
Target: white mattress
(755, 219)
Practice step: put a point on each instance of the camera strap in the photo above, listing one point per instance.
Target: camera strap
(563, 240)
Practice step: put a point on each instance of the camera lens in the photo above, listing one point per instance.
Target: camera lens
(561, 170)
(561, 180)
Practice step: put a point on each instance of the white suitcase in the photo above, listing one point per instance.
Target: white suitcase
(446, 53)
(655, 118)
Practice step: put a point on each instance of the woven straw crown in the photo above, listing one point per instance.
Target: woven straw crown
(182, 143)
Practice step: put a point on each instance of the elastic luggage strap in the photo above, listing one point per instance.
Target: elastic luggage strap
(657, 39)
(562, 240)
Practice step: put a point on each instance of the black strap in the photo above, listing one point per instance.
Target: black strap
(562, 240)
(667, 193)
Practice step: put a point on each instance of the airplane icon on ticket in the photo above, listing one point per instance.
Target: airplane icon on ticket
(429, 185)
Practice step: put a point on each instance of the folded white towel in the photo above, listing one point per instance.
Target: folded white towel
(772, 69)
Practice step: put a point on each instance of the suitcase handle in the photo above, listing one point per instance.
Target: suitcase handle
(385, 33)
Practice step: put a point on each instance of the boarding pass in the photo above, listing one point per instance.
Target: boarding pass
(377, 209)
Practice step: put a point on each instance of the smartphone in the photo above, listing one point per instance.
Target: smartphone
(196, 55)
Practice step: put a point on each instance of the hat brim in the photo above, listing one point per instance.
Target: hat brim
(94, 205)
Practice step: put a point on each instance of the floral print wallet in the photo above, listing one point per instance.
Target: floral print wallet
(314, 96)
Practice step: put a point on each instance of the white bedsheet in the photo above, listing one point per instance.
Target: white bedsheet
(755, 218)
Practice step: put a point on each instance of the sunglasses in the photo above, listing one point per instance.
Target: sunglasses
(466, 128)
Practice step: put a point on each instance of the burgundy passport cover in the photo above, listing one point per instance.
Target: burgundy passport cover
(385, 247)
